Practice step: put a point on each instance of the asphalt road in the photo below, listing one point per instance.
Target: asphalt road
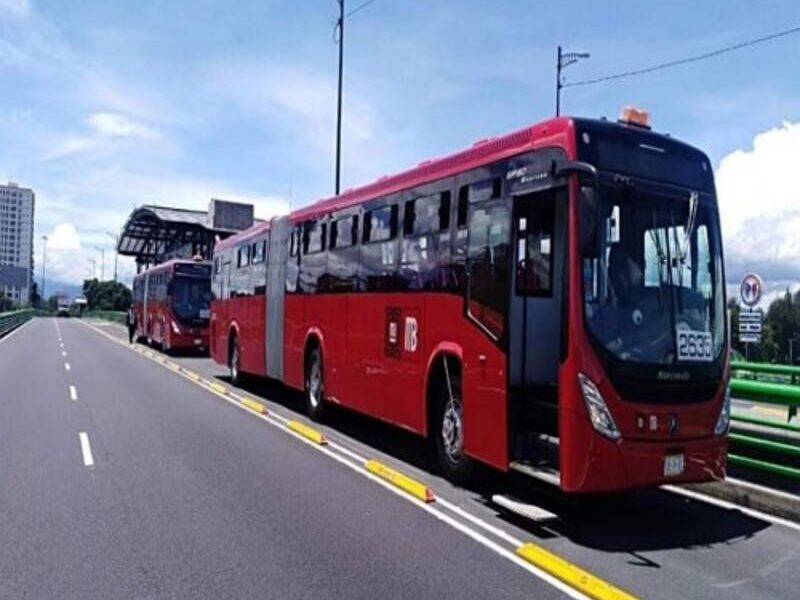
(190, 497)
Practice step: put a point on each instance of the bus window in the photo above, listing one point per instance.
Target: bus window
(243, 256)
(487, 292)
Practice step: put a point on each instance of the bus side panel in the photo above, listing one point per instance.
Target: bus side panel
(251, 320)
(483, 385)
(294, 340)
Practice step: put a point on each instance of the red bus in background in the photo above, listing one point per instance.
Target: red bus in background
(551, 301)
(172, 304)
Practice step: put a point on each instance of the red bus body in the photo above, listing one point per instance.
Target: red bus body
(381, 341)
(171, 304)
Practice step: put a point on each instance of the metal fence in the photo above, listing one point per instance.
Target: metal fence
(777, 438)
(12, 320)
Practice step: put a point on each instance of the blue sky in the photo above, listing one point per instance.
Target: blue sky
(106, 105)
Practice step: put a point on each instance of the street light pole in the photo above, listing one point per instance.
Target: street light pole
(44, 266)
(102, 262)
(116, 252)
(94, 268)
(563, 60)
(340, 26)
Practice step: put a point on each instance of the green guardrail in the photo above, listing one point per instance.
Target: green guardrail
(775, 385)
(107, 315)
(13, 319)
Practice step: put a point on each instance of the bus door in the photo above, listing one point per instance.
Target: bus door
(536, 334)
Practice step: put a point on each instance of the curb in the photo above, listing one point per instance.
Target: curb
(750, 495)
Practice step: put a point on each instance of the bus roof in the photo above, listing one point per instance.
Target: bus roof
(171, 263)
(482, 152)
(552, 132)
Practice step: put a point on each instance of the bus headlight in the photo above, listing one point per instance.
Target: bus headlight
(175, 329)
(599, 414)
(724, 419)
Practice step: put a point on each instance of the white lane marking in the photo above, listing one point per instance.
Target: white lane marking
(64, 354)
(750, 512)
(8, 336)
(279, 422)
(66, 366)
(86, 449)
(73, 393)
(58, 329)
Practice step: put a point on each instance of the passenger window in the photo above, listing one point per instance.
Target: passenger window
(488, 247)
(344, 232)
(243, 258)
(422, 216)
(380, 224)
(313, 237)
(258, 251)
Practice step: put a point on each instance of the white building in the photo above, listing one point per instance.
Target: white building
(16, 242)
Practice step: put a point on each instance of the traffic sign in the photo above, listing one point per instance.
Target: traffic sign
(750, 326)
(750, 289)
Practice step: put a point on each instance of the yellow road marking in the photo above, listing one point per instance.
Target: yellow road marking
(217, 387)
(413, 487)
(307, 432)
(571, 574)
(253, 405)
(191, 375)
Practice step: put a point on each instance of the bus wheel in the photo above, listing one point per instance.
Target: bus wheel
(235, 362)
(315, 386)
(449, 432)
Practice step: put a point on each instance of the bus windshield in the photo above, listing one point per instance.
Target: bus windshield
(652, 275)
(191, 297)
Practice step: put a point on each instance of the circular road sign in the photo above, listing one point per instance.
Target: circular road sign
(750, 289)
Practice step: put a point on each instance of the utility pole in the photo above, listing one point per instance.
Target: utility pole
(102, 262)
(116, 251)
(44, 266)
(563, 60)
(94, 268)
(340, 26)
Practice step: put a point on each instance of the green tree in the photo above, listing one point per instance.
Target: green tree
(106, 295)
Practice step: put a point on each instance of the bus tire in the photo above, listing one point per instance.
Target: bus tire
(315, 385)
(235, 360)
(448, 430)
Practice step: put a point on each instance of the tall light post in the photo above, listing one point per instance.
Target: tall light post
(102, 262)
(93, 262)
(115, 237)
(340, 27)
(564, 60)
(44, 266)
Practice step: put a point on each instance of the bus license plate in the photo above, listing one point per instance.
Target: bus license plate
(673, 465)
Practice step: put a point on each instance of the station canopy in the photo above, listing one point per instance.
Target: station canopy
(153, 234)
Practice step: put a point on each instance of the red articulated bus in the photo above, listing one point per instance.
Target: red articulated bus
(172, 304)
(551, 301)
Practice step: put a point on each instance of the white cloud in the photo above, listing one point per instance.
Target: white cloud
(759, 200)
(117, 125)
(64, 236)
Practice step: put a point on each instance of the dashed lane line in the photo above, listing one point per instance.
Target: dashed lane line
(348, 458)
(86, 449)
(73, 393)
(67, 367)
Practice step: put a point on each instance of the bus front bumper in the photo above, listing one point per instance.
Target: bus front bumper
(627, 464)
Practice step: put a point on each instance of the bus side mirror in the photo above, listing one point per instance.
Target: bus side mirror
(586, 173)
